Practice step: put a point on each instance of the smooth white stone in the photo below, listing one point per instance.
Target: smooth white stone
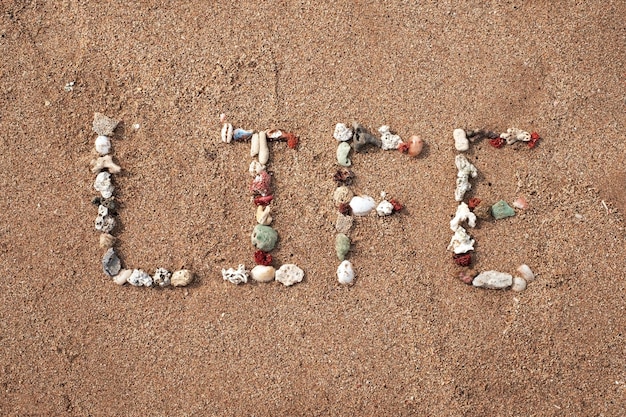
(264, 150)
(122, 277)
(362, 205)
(493, 280)
(103, 145)
(262, 273)
(254, 145)
(461, 143)
(526, 273)
(519, 284)
(345, 273)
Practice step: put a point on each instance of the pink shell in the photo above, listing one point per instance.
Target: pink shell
(520, 203)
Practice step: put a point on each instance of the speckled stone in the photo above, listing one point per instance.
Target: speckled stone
(342, 246)
(502, 210)
(264, 237)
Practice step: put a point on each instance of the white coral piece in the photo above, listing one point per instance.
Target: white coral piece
(514, 134)
(466, 171)
(342, 132)
(461, 242)
(103, 184)
(235, 276)
(463, 213)
(140, 278)
(388, 139)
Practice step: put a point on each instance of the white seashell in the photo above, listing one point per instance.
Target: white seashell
(181, 278)
(235, 276)
(104, 224)
(461, 143)
(254, 145)
(342, 132)
(103, 184)
(227, 133)
(122, 277)
(384, 208)
(493, 280)
(274, 133)
(461, 242)
(263, 215)
(463, 213)
(519, 284)
(255, 168)
(140, 278)
(289, 274)
(389, 140)
(103, 145)
(362, 205)
(345, 273)
(162, 277)
(105, 162)
(264, 150)
(262, 273)
(526, 273)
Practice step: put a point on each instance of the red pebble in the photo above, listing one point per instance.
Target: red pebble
(467, 276)
(497, 142)
(292, 140)
(262, 258)
(397, 206)
(344, 208)
(344, 176)
(534, 137)
(263, 200)
(404, 147)
(473, 203)
(463, 259)
(261, 183)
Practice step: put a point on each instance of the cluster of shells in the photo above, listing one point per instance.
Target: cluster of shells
(357, 139)
(104, 167)
(264, 237)
(462, 244)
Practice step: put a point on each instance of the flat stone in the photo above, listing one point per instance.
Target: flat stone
(502, 210)
(111, 263)
(493, 280)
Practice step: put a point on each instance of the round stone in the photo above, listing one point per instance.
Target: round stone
(181, 278)
(342, 195)
(264, 237)
(262, 273)
(342, 246)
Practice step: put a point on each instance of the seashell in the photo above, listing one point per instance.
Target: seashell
(345, 273)
(111, 263)
(107, 240)
(261, 184)
(342, 132)
(520, 203)
(242, 134)
(256, 168)
(140, 278)
(181, 278)
(264, 150)
(103, 145)
(388, 141)
(342, 246)
(461, 143)
(343, 223)
(105, 224)
(526, 273)
(519, 284)
(264, 237)
(103, 125)
(122, 277)
(416, 144)
(274, 133)
(162, 277)
(502, 210)
(463, 213)
(343, 150)
(254, 145)
(263, 215)
(461, 242)
(227, 133)
(342, 194)
(105, 162)
(103, 184)
(362, 205)
(262, 273)
(493, 280)
(384, 208)
(289, 274)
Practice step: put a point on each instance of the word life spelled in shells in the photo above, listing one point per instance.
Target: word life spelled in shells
(104, 167)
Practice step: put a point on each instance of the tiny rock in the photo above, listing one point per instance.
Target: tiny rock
(526, 273)
(467, 276)
(342, 246)
(262, 273)
(103, 125)
(111, 263)
(384, 208)
(140, 278)
(461, 143)
(181, 278)
(362, 205)
(520, 203)
(240, 134)
(289, 274)
(264, 150)
(261, 184)
(416, 144)
(107, 240)
(105, 162)
(389, 141)
(502, 210)
(264, 237)
(345, 273)
(493, 280)
(342, 195)
(103, 145)
(122, 277)
(482, 211)
(263, 215)
(103, 184)
(343, 150)
(342, 132)
(463, 213)
(343, 223)
(227, 133)
(519, 284)
(162, 277)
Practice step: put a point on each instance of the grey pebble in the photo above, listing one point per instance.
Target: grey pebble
(111, 263)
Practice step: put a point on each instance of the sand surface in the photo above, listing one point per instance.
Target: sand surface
(408, 338)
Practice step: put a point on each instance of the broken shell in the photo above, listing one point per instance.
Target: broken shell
(343, 150)
(342, 246)
(461, 143)
(384, 208)
(463, 213)
(482, 211)
(105, 162)
(262, 273)
(343, 223)
(342, 132)
(262, 200)
(461, 242)
(256, 168)
(264, 150)
(345, 273)
(362, 205)
(263, 215)
(264, 237)
(111, 263)
(235, 276)
(493, 280)
(388, 140)
(227, 133)
(242, 134)
(502, 210)
(122, 277)
(362, 138)
(342, 194)
(289, 274)
(162, 277)
(103, 145)
(140, 278)
(416, 144)
(105, 223)
(103, 125)
(107, 240)
(103, 184)
(526, 273)
(181, 278)
(254, 145)
(520, 203)
(519, 284)
(274, 134)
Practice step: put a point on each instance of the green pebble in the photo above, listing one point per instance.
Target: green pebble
(501, 210)
(264, 237)
(342, 246)
(342, 154)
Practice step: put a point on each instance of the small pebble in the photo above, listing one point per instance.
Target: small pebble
(263, 215)
(343, 150)
(526, 273)
(105, 162)
(519, 284)
(388, 140)
(342, 246)
(262, 273)
(502, 210)
(342, 195)
(345, 273)
(103, 125)
(103, 145)
(362, 138)
(254, 145)
(289, 274)
(162, 277)
(342, 132)
(227, 133)
(362, 205)
(467, 276)
(122, 277)
(264, 150)
(384, 208)
(242, 134)
(107, 240)
(461, 143)
(111, 263)
(140, 278)
(103, 184)
(264, 237)
(181, 278)
(416, 144)
(105, 224)
(493, 280)
(482, 211)
(343, 223)
(261, 184)
(520, 203)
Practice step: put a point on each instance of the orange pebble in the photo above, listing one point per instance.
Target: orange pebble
(415, 145)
